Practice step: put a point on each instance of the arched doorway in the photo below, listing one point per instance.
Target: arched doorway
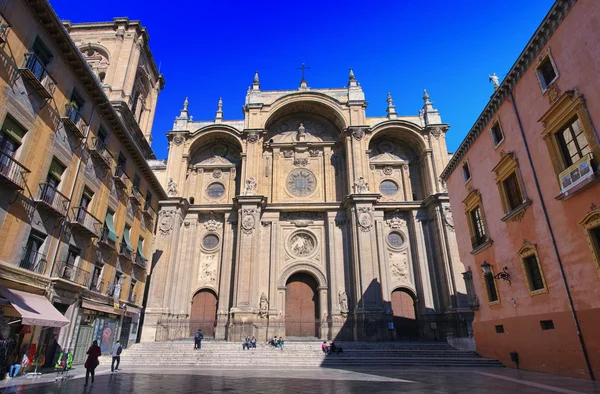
(405, 315)
(301, 306)
(204, 313)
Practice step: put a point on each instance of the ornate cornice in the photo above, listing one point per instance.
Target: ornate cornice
(540, 38)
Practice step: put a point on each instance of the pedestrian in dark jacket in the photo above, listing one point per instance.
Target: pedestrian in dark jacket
(198, 339)
(92, 361)
(116, 357)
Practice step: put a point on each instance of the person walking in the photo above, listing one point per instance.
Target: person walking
(116, 356)
(198, 339)
(92, 361)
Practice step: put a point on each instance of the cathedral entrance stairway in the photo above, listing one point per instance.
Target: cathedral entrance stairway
(301, 354)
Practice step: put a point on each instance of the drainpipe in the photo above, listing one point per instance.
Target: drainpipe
(79, 160)
(560, 264)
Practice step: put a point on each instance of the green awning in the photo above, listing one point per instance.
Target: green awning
(13, 130)
(126, 239)
(110, 225)
(140, 250)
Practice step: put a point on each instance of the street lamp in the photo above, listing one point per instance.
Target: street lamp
(486, 268)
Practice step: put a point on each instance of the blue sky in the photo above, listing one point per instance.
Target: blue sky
(210, 49)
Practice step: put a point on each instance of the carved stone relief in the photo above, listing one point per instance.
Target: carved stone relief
(361, 186)
(251, 185)
(167, 219)
(365, 218)
(399, 266)
(300, 219)
(208, 269)
(248, 220)
(302, 244)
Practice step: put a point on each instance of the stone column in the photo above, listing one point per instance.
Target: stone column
(324, 310)
(246, 297)
(368, 295)
(224, 303)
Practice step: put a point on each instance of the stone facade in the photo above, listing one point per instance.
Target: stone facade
(306, 195)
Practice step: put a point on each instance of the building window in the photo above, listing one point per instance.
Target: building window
(499, 329)
(388, 188)
(215, 190)
(547, 325)
(497, 135)
(11, 136)
(34, 259)
(490, 286)
(510, 187)
(572, 145)
(476, 221)
(466, 171)
(591, 226)
(534, 275)
(96, 283)
(42, 53)
(210, 241)
(546, 72)
(395, 239)
(103, 136)
(572, 142)
(132, 290)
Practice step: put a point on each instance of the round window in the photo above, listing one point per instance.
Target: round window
(395, 239)
(215, 190)
(389, 188)
(211, 241)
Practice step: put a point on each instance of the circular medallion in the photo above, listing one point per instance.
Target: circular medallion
(386, 147)
(395, 239)
(302, 244)
(301, 182)
(210, 241)
(364, 219)
(248, 222)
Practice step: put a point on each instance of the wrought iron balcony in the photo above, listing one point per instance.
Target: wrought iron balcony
(52, 200)
(73, 121)
(100, 153)
(104, 239)
(37, 75)
(86, 222)
(121, 178)
(140, 261)
(478, 240)
(97, 285)
(4, 28)
(71, 273)
(148, 211)
(136, 196)
(125, 252)
(12, 173)
(35, 262)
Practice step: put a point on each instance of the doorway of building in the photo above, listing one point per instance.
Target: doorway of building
(84, 340)
(301, 306)
(405, 315)
(204, 313)
(125, 330)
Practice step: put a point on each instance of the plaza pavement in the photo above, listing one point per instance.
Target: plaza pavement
(306, 380)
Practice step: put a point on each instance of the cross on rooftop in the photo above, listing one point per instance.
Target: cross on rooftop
(303, 68)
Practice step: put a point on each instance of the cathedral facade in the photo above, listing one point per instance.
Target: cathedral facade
(306, 218)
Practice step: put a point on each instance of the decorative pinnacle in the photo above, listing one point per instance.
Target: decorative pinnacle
(256, 81)
(185, 104)
(390, 100)
(425, 96)
(220, 104)
(219, 114)
(351, 76)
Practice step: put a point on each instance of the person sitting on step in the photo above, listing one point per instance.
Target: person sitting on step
(280, 343)
(246, 344)
(273, 342)
(253, 343)
(325, 348)
(335, 349)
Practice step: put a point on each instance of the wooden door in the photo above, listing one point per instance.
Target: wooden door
(301, 306)
(84, 341)
(405, 316)
(204, 313)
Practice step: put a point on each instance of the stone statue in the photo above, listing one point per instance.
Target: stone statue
(171, 188)
(343, 298)
(301, 131)
(361, 186)
(264, 306)
(250, 186)
(495, 80)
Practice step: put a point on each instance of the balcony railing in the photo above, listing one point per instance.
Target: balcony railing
(104, 239)
(478, 240)
(4, 28)
(148, 211)
(12, 173)
(35, 262)
(86, 222)
(73, 121)
(99, 152)
(121, 178)
(140, 261)
(136, 196)
(125, 252)
(97, 285)
(36, 73)
(52, 199)
(72, 274)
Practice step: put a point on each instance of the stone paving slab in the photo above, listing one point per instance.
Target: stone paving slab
(306, 380)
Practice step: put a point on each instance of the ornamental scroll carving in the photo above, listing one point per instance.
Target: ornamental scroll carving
(167, 219)
(301, 162)
(365, 218)
(300, 219)
(358, 134)
(252, 137)
(396, 222)
(388, 170)
(448, 219)
(178, 140)
(248, 220)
